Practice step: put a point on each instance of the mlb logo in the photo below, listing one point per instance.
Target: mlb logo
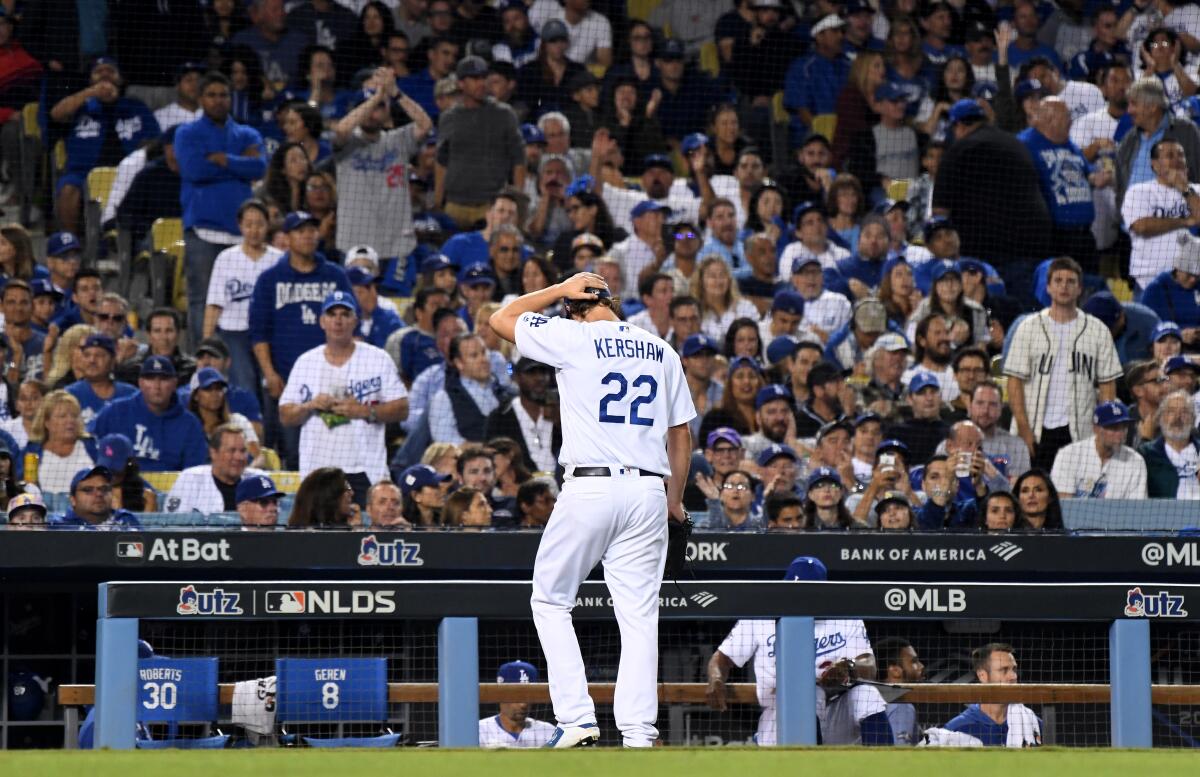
(131, 550)
(285, 602)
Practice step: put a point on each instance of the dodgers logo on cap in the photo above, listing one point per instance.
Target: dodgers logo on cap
(339, 299)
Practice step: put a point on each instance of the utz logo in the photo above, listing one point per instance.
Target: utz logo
(1162, 605)
(394, 553)
(215, 602)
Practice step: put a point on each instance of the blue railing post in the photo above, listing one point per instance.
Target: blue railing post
(795, 682)
(458, 682)
(1129, 677)
(116, 679)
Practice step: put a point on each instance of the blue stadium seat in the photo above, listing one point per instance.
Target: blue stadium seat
(56, 503)
(161, 520)
(285, 509)
(178, 690)
(334, 690)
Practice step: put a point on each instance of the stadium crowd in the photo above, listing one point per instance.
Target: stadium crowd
(928, 265)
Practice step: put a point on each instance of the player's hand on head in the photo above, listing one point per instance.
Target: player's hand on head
(576, 287)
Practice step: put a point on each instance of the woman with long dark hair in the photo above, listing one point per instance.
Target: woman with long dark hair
(364, 50)
(424, 496)
(16, 254)
(855, 103)
(222, 20)
(588, 214)
(825, 504)
(638, 66)
(744, 339)
(324, 500)
(301, 123)
(1039, 503)
(955, 84)
(631, 122)
(249, 92)
(467, 508)
(999, 511)
(287, 173)
(542, 84)
(736, 410)
(768, 204)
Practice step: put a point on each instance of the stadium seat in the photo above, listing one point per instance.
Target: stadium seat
(166, 264)
(825, 124)
(332, 690)
(160, 481)
(898, 190)
(190, 695)
(286, 481)
(1120, 289)
(32, 161)
(95, 198)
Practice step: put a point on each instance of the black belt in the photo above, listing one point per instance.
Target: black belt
(604, 472)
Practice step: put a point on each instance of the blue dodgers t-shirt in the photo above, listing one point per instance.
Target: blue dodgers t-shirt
(1063, 179)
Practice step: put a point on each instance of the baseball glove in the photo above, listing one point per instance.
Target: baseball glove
(678, 533)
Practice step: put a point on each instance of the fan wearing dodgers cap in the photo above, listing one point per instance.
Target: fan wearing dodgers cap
(257, 501)
(92, 504)
(165, 436)
(774, 408)
(811, 233)
(513, 727)
(835, 640)
(285, 308)
(342, 394)
(1101, 466)
(645, 246)
(374, 203)
(1173, 294)
(377, 323)
(825, 311)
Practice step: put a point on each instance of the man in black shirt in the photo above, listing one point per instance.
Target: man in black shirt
(925, 429)
(826, 384)
(987, 185)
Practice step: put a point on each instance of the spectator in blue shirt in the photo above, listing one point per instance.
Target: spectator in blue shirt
(998, 724)
(376, 323)
(213, 352)
(1132, 325)
(938, 25)
(863, 270)
(218, 158)
(418, 345)
(96, 387)
(165, 436)
(1173, 294)
(443, 53)
(107, 128)
(278, 46)
(284, 313)
(1066, 180)
(92, 504)
(813, 83)
(687, 93)
(1026, 46)
(468, 248)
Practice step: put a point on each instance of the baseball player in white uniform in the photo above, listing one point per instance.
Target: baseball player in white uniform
(625, 413)
(835, 640)
(513, 727)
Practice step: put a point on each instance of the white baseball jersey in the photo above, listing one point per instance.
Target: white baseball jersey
(1079, 472)
(232, 284)
(840, 726)
(834, 640)
(1149, 256)
(194, 490)
(370, 376)
(621, 388)
(1084, 355)
(492, 735)
(828, 258)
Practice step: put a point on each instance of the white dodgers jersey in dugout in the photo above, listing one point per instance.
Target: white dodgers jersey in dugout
(621, 388)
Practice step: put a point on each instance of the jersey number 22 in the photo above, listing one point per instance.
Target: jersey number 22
(639, 383)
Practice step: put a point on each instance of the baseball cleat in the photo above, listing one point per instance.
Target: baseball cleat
(584, 735)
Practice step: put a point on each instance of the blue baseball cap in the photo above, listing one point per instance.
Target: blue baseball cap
(693, 141)
(646, 206)
(658, 160)
(340, 299)
(360, 276)
(157, 366)
(823, 474)
(255, 487)
(697, 343)
(299, 218)
(803, 261)
(62, 243)
(971, 265)
(807, 206)
(789, 301)
(936, 223)
(517, 672)
(889, 92)
(986, 90)
(723, 433)
(471, 66)
(1030, 87)
(885, 206)
(833, 426)
(943, 268)
(1104, 306)
(963, 110)
(532, 135)
(866, 418)
(806, 568)
(782, 347)
(554, 30)
(42, 287)
(88, 472)
(1177, 363)
(419, 476)
(923, 380)
(191, 66)
(438, 262)
(113, 450)
(1167, 329)
(476, 275)
(97, 340)
(672, 49)
(891, 444)
(210, 376)
(745, 361)
(102, 61)
(771, 393)
(774, 451)
(579, 185)
(1111, 413)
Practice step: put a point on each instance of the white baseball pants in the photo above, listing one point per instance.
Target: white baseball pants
(622, 521)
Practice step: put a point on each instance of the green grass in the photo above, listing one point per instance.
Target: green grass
(718, 762)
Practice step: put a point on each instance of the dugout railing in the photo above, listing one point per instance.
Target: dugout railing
(458, 607)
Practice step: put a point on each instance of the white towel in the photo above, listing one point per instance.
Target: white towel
(1023, 727)
(944, 737)
(254, 705)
